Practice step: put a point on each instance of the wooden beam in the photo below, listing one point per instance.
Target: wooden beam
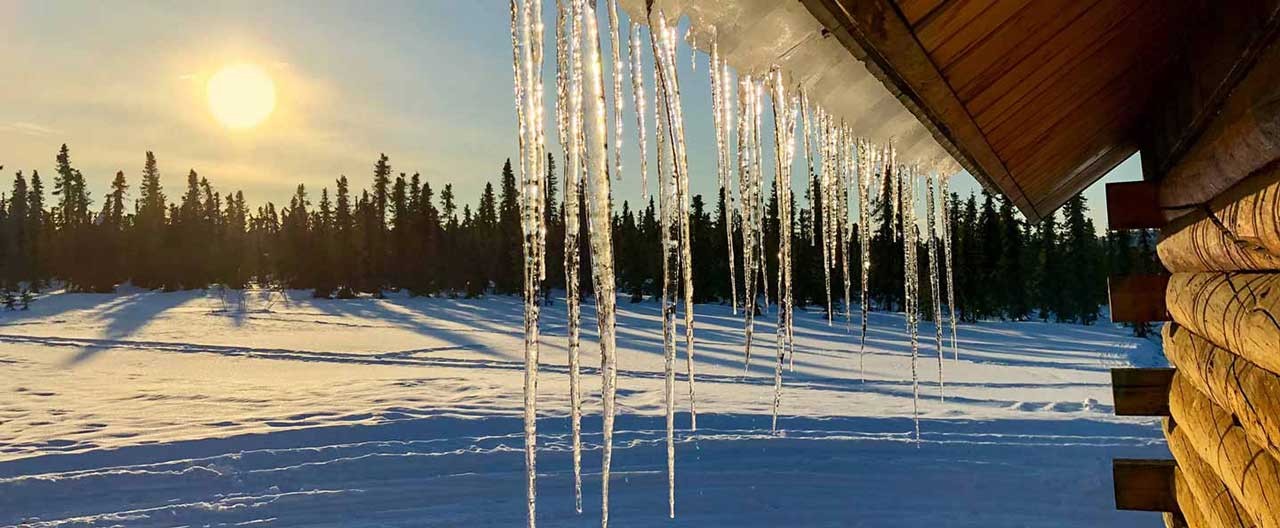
(1219, 50)
(875, 32)
(1144, 484)
(1138, 298)
(1141, 391)
(1242, 138)
(1134, 205)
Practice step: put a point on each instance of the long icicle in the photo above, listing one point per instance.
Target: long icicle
(638, 98)
(758, 172)
(538, 180)
(600, 224)
(747, 185)
(524, 27)
(686, 240)
(569, 121)
(864, 238)
(935, 296)
(847, 154)
(668, 193)
(906, 207)
(616, 68)
(946, 246)
(826, 193)
(721, 118)
(784, 118)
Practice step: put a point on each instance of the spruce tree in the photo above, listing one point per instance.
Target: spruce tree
(112, 237)
(150, 227)
(1011, 278)
(429, 280)
(236, 262)
(347, 256)
(991, 297)
(399, 251)
(72, 216)
(489, 247)
(510, 246)
(38, 234)
(325, 265)
(1080, 283)
(1048, 288)
(377, 243)
(17, 264)
(451, 282)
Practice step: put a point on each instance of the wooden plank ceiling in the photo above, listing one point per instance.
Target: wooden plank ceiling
(1038, 98)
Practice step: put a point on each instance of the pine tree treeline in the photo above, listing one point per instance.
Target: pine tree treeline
(403, 234)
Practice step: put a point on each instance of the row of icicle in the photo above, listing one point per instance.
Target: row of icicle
(846, 167)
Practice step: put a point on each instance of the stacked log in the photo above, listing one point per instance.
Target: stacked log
(1239, 231)
(1212, 503)
(1235, 384)
(1250, 473)
(1239, 312)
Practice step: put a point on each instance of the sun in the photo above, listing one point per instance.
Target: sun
(241, 96)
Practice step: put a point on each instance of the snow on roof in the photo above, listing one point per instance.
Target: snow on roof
(755, 35)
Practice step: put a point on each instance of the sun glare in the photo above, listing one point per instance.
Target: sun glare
(241, 96)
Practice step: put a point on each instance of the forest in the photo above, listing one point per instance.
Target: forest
(403, 234)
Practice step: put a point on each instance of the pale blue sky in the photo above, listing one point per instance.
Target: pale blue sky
(429, 83)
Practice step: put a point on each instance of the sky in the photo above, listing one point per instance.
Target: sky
(429, 83)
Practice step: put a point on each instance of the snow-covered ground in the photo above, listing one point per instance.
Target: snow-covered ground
(165, 409)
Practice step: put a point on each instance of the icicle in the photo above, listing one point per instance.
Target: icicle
(616, 68)
(670, 252)
(824, 196)
(904, 183)
(758, 173)
(599, 221)
(526, 39)
(896, 204)
(747, 186)
(935, 296)
(946, 246)
(721, 116)
(865, 177)
(637, 94)
(808, 131)
(784, 120)
(848, 151)
(686, 250)
(674, 177)
(569, 121)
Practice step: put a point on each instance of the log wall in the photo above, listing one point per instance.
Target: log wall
(1248, 471)
(1216, 172)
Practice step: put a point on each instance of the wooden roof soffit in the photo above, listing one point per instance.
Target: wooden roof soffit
(875, 32)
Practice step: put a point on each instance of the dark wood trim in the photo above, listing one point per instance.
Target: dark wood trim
(1134, 205)
(1141, 391)
(1144, 484)
(877, 34)
(1138, 298)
